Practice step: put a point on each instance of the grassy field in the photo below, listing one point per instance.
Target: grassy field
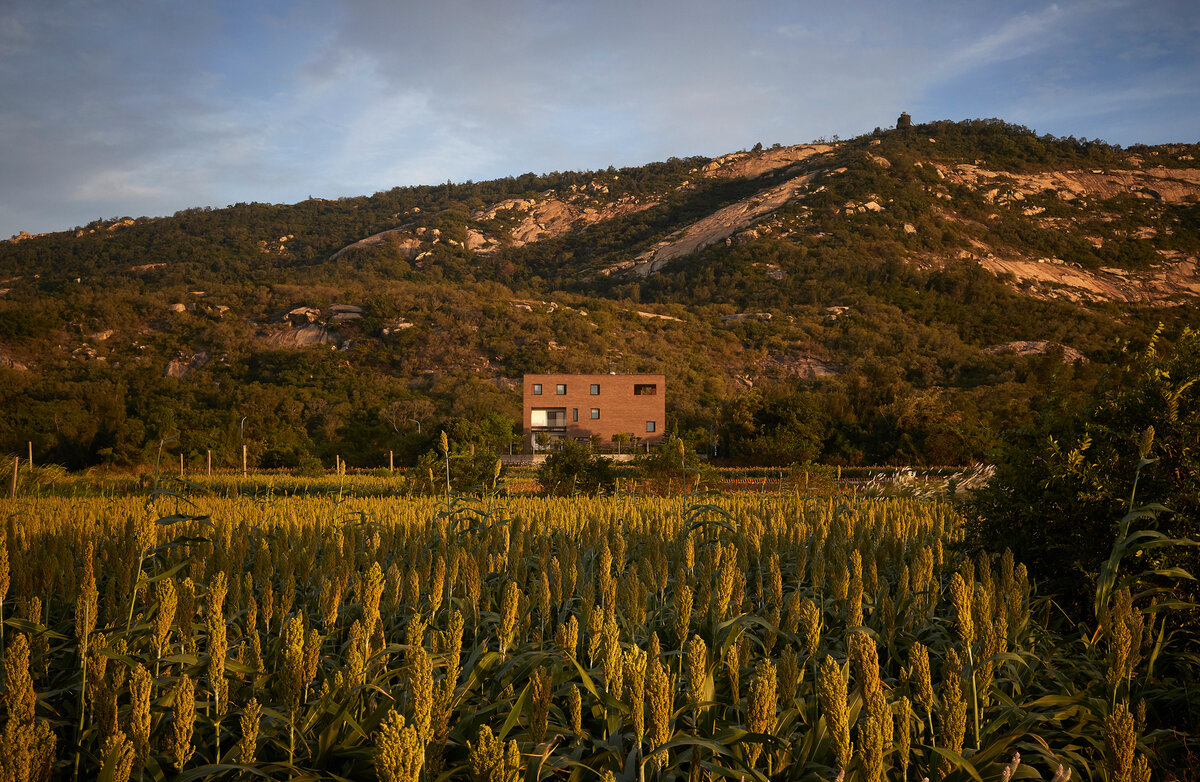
(348, 634)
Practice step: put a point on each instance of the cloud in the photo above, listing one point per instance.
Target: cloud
(1017, 37)
(795, 32)
(13, 36)
(136, 106)
(114, 185)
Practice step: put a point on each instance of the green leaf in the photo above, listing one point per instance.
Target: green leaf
(177, 518)
(161, 576)
(33, 628)
(515, 712)
(207, 772)
(110, 764)
(959, 761)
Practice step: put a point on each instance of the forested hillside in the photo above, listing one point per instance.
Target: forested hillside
(902, 297)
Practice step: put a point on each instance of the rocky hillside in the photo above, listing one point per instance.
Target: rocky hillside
(1128, 210)
(895, 297)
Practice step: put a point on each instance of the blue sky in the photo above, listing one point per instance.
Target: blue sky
(131, 108)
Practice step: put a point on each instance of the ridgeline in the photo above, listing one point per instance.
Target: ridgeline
(901, 297)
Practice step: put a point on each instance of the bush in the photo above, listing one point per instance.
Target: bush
(671, 468)
(574, 468)
(1063, 485)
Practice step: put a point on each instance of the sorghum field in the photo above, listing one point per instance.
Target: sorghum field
(774, 636)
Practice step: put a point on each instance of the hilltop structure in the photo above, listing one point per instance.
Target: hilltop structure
(557, 407)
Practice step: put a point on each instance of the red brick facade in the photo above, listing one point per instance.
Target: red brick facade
(578, 406)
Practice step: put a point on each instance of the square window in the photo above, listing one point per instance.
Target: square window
(595, 413)
(649, 426)
(560, 389)
(595, 389)
(537, 389)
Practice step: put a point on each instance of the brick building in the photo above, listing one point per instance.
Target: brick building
(579, 406)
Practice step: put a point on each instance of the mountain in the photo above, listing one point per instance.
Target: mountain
(898, 297)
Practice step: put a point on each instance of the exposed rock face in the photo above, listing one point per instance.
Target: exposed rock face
(181, 365)
(715, 228)
(1162, 285)
(656, 316)
(798, 365)
(1037, 348)
(312, 334)
(550, 217)
(534, 305)
(1169, 185)
(302, 316)
(407, 244)
(10, 363)
(546, 217)
(754, 164)
(742, 317)
(476, 241)
(398, 324)
(803, 170)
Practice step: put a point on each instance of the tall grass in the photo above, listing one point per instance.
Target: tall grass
(647, 638)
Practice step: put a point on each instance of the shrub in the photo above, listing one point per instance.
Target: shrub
(1062, 486)
(574, 468)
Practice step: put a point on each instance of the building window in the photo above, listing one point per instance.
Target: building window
(574, 413)
(554, 417)
(595, 413)
(560, 389)
(595, 389)
(649, 426)
(537, 389)
(645, 389)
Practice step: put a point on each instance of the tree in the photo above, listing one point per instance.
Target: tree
(473, 470)
(402, 414)
(776, 427)
(574, 468)
(1062, 486)
(671, 468)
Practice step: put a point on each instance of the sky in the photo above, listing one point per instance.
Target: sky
(145, 107)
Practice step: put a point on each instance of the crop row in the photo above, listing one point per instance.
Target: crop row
(632, 638)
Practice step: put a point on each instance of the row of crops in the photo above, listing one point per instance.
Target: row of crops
(46, 480)
(630, 638)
